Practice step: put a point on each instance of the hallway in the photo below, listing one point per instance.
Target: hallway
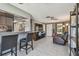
(45, 47)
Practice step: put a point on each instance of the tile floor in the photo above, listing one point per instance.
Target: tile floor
(45, 47)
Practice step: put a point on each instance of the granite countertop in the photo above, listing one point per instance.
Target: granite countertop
(7, 33)
(11, 33)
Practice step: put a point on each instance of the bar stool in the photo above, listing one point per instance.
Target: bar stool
(8, 44)
(25, 42)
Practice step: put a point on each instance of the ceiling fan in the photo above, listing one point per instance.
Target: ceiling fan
(20, 3)
(52, 17)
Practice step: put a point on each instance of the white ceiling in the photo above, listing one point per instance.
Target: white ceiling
(40, 10)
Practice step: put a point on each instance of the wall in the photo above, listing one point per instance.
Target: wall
(28, 26)
(33, 24)
(17, 26)
(43, 27)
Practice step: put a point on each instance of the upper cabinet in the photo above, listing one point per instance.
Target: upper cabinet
(6, 22)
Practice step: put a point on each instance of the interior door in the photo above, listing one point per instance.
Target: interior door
(49, 30)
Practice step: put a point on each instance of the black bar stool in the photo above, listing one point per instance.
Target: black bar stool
(25, 42)
(8, 45)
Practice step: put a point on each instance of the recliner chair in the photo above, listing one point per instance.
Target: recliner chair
(61, 40)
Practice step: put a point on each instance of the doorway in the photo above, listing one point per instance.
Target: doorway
(49, 30)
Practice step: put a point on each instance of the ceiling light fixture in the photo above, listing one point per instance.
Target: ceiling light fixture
(20, 3)
(52, 17)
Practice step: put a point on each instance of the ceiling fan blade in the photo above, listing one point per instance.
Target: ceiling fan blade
(48, 17)
(20, 3)
(52, 18)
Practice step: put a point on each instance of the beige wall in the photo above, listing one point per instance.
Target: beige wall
(17, 26)
(27, 26)
(43, 27)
